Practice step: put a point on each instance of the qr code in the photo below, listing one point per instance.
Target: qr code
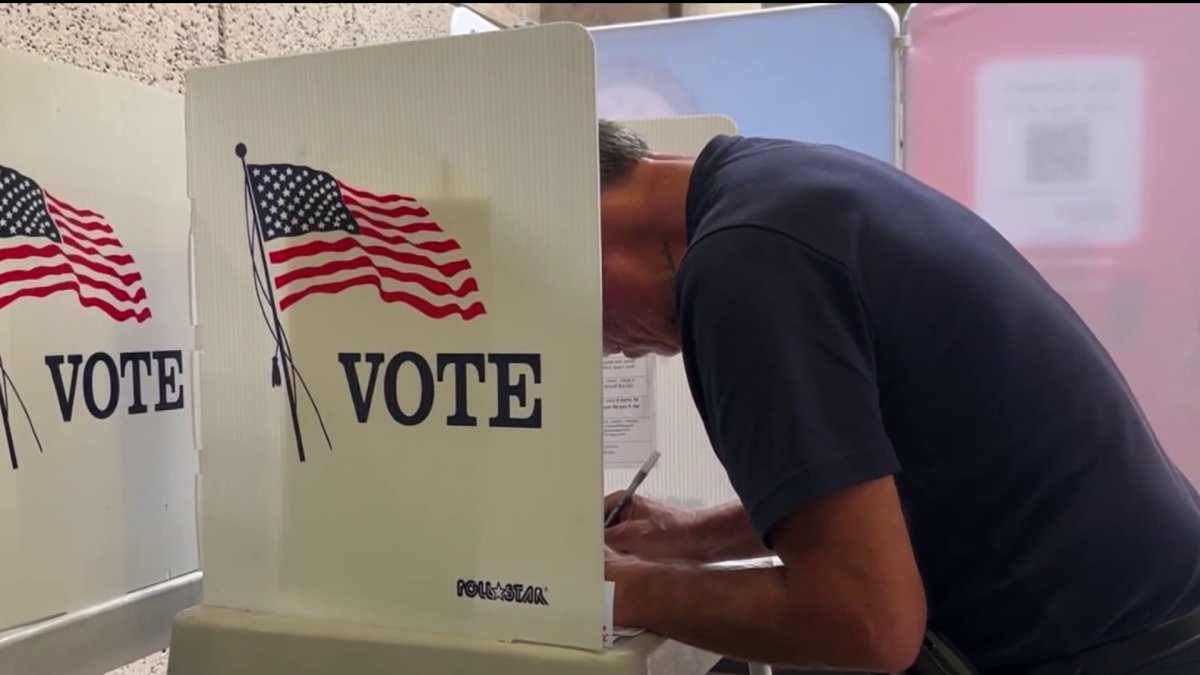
(1057, 152)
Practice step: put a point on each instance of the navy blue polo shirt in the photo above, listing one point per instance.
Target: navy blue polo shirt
(841, 322)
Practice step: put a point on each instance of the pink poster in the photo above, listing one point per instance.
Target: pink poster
(1072, 129)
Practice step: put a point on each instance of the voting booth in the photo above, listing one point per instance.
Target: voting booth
(399, 345)
(405, 373)
(97, 458)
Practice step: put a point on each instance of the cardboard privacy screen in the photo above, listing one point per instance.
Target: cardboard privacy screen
(97, 463)
(398, 292)
(648, 405)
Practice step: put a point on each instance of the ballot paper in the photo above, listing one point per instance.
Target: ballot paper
(628, 411)
(746, 564)
(611, 632)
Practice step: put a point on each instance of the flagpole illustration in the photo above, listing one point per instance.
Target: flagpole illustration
(281, 346)
(6, 384)
(8, 436)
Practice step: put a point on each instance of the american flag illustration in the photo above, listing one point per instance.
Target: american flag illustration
(323, 236)
(50, 246)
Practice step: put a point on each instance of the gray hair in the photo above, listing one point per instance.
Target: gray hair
(621, 149)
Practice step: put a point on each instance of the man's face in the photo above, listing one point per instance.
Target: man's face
(638, 285)
(626, 309)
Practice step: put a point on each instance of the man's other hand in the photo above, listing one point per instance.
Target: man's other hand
(650, 530)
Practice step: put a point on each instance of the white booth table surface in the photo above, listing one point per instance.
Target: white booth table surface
(102, 637)
(216, 641)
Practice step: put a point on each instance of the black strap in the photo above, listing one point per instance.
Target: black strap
(1126, 656)
(939, 657)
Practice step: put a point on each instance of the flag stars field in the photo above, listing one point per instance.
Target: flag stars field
(323, 236)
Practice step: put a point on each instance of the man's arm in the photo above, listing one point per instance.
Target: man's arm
(848, 596)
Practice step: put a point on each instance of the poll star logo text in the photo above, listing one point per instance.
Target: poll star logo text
(502, 592)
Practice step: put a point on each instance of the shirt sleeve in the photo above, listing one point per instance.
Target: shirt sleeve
(780, 359)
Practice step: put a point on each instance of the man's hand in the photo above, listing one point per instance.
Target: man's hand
(650, 530)
(654, 531)
(622, 569)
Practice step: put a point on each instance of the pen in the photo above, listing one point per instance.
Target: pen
(633, 486)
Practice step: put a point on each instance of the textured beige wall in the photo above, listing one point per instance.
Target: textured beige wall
(156, 43)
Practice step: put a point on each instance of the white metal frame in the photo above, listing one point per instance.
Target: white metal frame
(464, 19)
(903, 46)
